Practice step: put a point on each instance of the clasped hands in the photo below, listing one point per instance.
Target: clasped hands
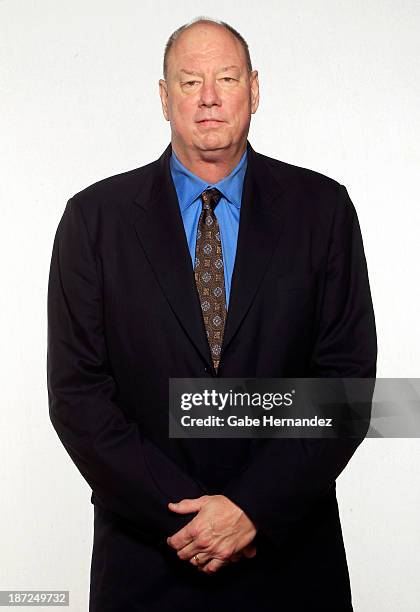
(219, 533)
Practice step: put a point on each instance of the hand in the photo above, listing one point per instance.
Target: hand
(218, 533)
(247, 552)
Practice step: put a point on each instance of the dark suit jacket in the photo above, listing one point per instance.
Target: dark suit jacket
(124, 316)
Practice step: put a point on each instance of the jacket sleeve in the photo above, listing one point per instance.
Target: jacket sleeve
(128, 474)
(286, 477)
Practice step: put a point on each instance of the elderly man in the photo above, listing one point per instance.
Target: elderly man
(213, 261)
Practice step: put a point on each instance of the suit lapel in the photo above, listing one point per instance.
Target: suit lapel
(161, 232)
(159, 227)
(260, 227)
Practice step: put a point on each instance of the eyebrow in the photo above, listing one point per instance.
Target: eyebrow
(192, 72)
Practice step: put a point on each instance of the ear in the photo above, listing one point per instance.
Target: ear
(255, 91)
(163, 92)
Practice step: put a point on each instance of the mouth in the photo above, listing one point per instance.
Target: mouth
(210, 122)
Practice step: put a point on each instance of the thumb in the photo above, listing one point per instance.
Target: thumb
(185, 506)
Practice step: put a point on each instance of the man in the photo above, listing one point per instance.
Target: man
(213, 260)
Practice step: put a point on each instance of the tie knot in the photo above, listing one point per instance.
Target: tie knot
(210, 198)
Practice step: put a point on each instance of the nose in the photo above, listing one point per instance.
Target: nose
(209, 95)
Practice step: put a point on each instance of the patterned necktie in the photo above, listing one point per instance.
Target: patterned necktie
(209, 273)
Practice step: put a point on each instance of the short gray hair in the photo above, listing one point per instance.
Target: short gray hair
(188, 25)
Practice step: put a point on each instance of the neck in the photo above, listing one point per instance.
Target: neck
(208, 165)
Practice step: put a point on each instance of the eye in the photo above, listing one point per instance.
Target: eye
(228, 79)
(190, 83)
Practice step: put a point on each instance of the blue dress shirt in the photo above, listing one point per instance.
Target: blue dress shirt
(189, 188)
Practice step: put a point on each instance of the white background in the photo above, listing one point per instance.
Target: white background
(340, 93)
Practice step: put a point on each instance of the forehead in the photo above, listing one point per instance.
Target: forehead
(206, 45)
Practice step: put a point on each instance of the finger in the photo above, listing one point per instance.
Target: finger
(213, 566)
(200, 559)
(187, 552)
(202, 543)
(185, 506)
(183, 537)
(249, 551)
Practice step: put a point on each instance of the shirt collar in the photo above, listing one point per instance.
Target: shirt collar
(189, 186)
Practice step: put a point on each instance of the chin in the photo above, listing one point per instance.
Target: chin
(212, 141)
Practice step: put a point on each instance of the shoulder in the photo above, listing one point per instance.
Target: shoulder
(309, 189)
(298, 176)
(113, 191)
(107, 203)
